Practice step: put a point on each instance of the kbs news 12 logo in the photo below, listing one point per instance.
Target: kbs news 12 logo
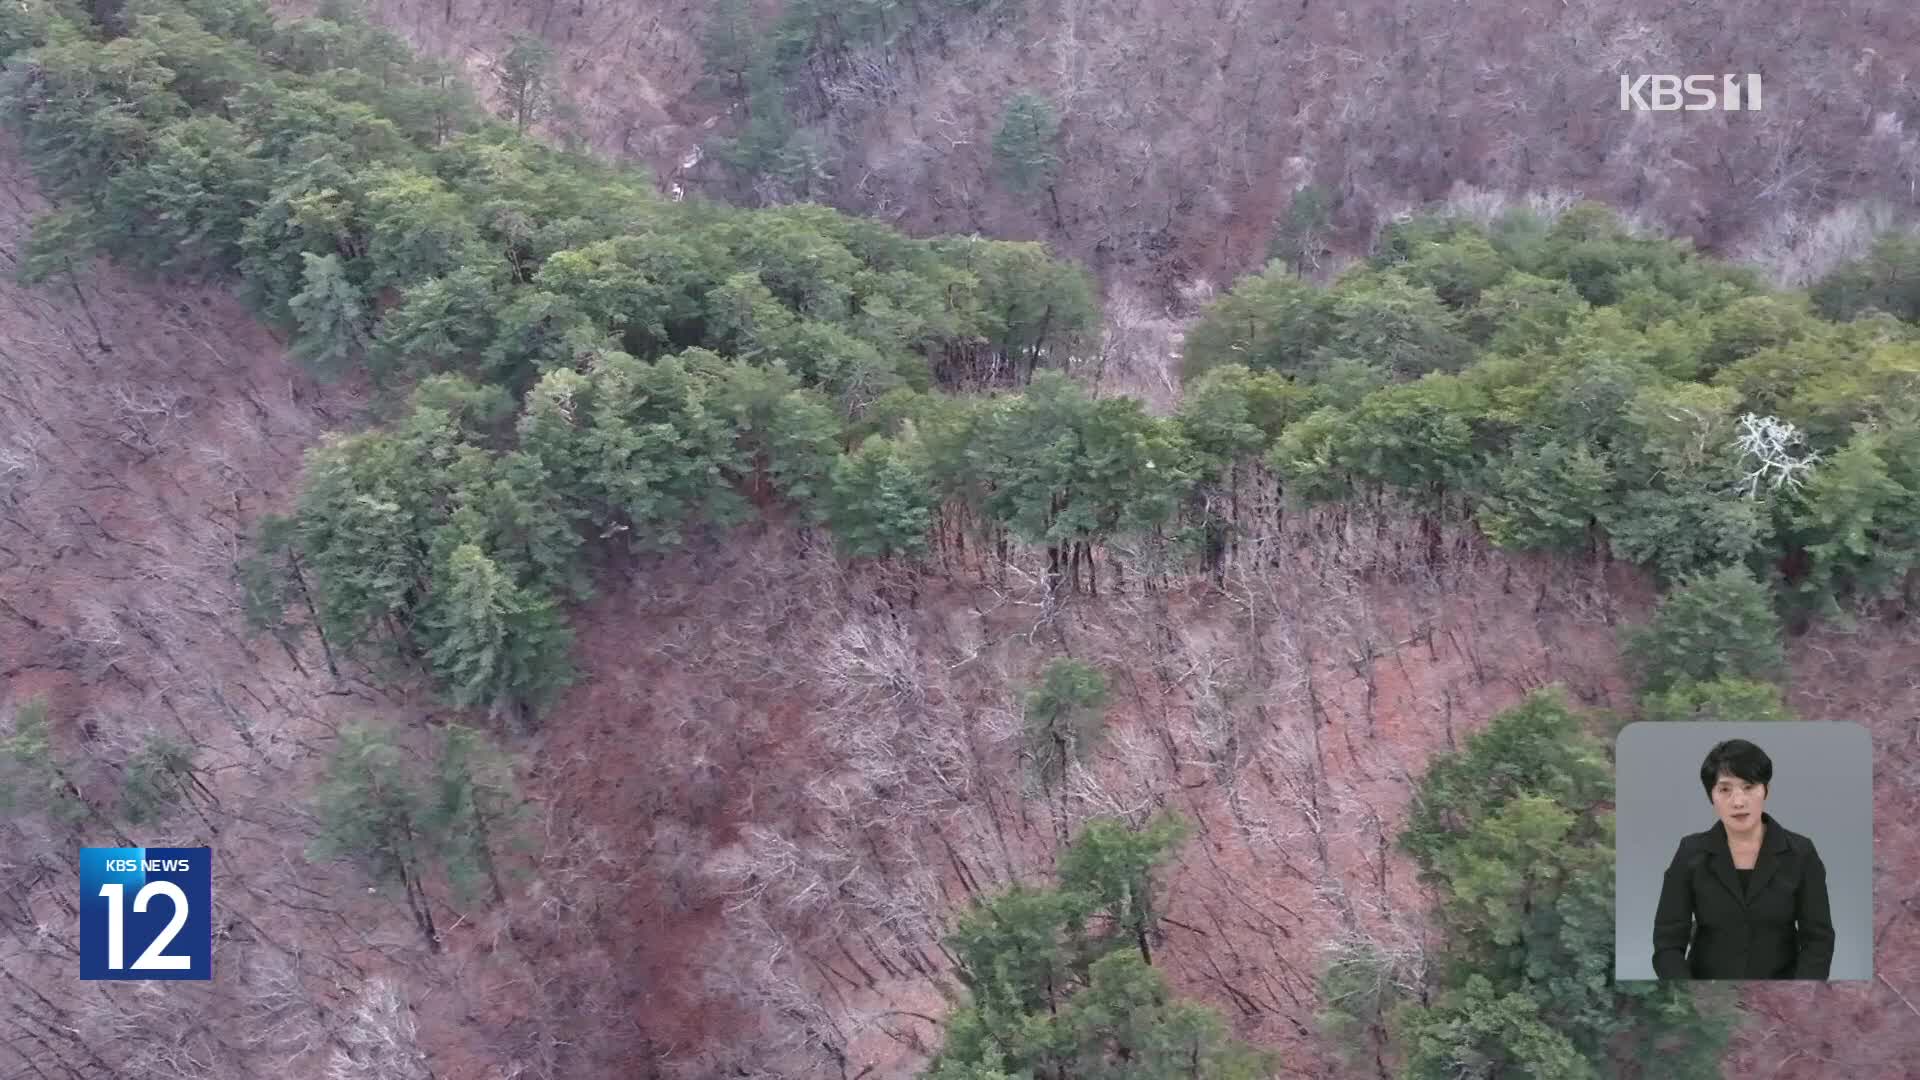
(146, 913)
(1662, 93)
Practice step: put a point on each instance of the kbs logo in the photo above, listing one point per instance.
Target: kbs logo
(151, 905)
(1661, 93)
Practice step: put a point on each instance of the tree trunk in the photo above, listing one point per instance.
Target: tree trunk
(1033, 350)
(421, 908)
(300, 579)
(486, 855)
(99, 338)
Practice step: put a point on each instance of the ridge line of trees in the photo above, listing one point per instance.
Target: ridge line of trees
(596, 369)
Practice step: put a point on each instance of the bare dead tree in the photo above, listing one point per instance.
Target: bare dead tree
(380, 1041)
(1318, 808)
(795, 1032)
(1129, 781)
(279, 1019)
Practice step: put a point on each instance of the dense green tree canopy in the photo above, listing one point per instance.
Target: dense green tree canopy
(1514, 833)
(382, 220)
(1060, 469)
(1715, 625)
(1053, 991)
(1564, 383)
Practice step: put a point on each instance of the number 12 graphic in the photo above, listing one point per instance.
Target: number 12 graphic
(153, 903)
(155, 958)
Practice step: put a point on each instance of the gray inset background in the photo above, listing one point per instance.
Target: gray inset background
(1822, 789)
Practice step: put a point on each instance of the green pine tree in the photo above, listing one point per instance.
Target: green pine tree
(526, 80)
(881, 504)
(1477, 1031)
(372, 805)
(1111, 866)
(443, 322)
(1858, 520)
(417, 230)
(1713, 626)
(1053, 990)
(33, 778)
(330, 316)
(491, 642)
(158, 777)
(475, 808)
(1548, 497)
(1024, 143)
(1299, 232)
(729, 44)
(1127, 1024)
(1064, 717)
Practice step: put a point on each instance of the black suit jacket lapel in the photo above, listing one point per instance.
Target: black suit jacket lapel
(1771, 849)
(1720, 859)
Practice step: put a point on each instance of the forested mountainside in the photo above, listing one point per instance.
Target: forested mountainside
(1184, 137)
(602, 634)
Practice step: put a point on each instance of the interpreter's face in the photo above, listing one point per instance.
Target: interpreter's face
(1739, 803)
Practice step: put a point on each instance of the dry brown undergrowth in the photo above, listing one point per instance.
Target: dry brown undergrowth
(143, 431)
(830, 763)
(1188, 124)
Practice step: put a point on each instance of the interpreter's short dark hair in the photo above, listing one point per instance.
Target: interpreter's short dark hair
(1740, 758)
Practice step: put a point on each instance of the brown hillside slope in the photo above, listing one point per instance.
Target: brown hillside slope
(1189, 123)
(143, 431)
(823, 765)
(760, 805)
(144, 428)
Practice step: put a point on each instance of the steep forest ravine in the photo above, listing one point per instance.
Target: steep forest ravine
(832, 719)
(714, 736)
(779, 774)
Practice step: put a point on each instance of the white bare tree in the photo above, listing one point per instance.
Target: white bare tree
(19, 461)
(280, 1020)
(1767, 443)
(794, 1031)
(1795, 247)
(380, 1040)
(1128, 781)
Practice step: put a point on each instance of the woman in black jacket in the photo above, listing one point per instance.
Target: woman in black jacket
(1746, 899)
